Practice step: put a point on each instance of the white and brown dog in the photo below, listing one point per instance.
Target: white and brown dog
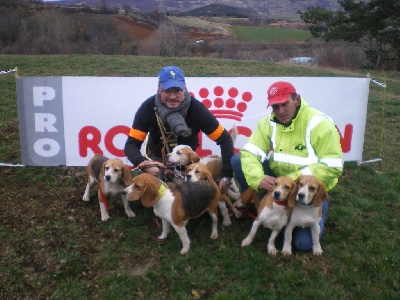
(200, 172)
(112, 177)
(307, 211)
(176, 204)
(184, 155)
(274, 212)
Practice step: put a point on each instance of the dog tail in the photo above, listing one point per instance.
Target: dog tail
(234, 133)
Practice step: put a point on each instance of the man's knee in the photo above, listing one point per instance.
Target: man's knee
(237, 170)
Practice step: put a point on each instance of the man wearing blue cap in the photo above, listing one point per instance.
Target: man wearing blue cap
(173, 117)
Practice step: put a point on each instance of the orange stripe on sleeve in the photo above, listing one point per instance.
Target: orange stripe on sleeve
(217, 133)
(137, 134)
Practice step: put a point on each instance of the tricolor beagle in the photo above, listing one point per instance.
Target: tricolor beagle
(175, 204)
(113, 177)
(307, 211)
(198, 171)
(273, 211)
(184, 155)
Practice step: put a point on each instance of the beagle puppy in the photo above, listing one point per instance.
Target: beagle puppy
(273, 211)
(183, 155)
(112, 177)
(306, 212)
(200, 172)
(175, 204)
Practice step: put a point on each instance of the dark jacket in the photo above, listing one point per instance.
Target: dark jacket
(198, 118)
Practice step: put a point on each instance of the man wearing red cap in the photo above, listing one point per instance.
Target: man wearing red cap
(295, 139)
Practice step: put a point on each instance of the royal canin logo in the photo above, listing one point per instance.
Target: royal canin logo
(228, 104)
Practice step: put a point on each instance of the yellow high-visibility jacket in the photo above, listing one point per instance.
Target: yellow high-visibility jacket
(310, 145)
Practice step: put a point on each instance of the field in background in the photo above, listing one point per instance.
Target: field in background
(54, 245)
(261, 34)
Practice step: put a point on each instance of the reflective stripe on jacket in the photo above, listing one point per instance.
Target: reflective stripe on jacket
(310, 145)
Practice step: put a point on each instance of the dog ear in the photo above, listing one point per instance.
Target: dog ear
(211, 179)
(127, 175)
(292, 200)
(194, 158)
(321, 196)
(149, 193)
(102, 172)
(292, 196)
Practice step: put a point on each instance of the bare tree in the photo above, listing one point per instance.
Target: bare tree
(168, 40)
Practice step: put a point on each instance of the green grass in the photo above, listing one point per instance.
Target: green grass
(54, 245)
(261, 34)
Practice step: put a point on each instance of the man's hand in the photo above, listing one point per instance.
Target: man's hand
(151, 166)
(224, 184)
(267, 183)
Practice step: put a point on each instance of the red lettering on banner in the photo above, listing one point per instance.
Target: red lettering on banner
(345, 139)
(109, 137)
(200, 151)
(89, 138)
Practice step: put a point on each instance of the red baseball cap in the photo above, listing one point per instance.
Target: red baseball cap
(279, 92)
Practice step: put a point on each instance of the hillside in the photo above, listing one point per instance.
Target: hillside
(269, 9)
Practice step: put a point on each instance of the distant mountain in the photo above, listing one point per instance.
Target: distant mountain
(264, 8)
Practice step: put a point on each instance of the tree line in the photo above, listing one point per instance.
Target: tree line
(363, 33)
(374, 24)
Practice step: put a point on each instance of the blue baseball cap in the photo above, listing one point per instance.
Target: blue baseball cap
(170, 77)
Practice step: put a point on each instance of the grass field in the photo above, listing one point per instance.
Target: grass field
(54, 246)
(261, 34)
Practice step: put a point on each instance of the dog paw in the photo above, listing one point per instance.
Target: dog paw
(246, 242)
(238, 214)
(86, 198)
(130, 214)
(184, 250)
(105, 218)
(272, 251)
(214, 236)
(226, 222)
(162, 236)
(238, 203)
(318, 252)
(287, 252)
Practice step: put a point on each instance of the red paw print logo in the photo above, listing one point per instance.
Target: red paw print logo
(225, 104)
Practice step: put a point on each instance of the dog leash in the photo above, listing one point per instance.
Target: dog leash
(168, 170)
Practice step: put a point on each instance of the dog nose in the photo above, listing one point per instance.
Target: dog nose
(124, 193)
(188, 177)
(301, 196)
(107, 177)
(277, 195)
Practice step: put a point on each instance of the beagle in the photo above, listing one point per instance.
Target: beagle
(184, 155)
(200, 172)
(306, 212)
(113, 177)
(175, 204)
(273, 211)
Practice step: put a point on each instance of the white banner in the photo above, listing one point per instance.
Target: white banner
(64, 120)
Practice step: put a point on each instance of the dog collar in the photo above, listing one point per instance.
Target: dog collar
(281, 203)
(161, 191)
